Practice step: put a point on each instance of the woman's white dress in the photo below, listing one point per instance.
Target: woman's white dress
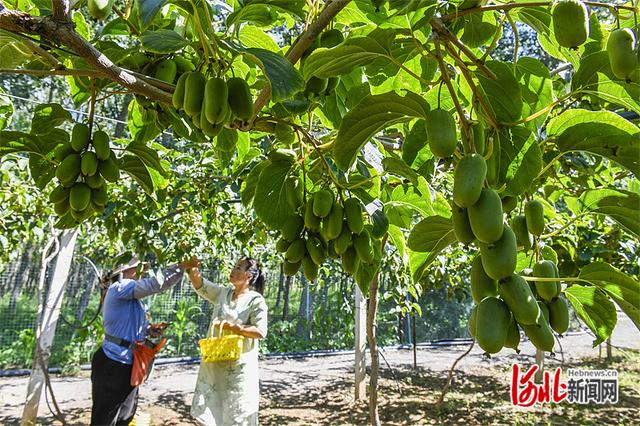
(227, 393)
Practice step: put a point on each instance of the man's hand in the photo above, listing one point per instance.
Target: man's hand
(157, 329)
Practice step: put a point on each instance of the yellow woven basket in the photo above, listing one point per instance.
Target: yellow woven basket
(221, 348)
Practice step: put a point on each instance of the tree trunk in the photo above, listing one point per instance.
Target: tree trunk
(401, 327)
(373, 345)
(540, 363)
(280, 284)
(122, 117)
(285, 298)
(413, 340)
(360, 342)
(311, 311)
(324, 297)
(303, 308)
(373, 351)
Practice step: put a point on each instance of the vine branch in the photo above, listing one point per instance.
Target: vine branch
(447, 384)
(63, 33)
(444, 33)
(302, 43)
(467, 75)
(509, 6)
(447, 80)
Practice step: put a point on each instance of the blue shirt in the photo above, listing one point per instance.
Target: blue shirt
(125, 316)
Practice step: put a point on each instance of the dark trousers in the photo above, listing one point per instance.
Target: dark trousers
(114, 399)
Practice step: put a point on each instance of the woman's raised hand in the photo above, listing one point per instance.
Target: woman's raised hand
(193, 272)
(194, 262)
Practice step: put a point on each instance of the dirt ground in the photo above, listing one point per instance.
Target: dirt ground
(319, 390)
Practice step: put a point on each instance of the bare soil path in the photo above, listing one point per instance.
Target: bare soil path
(319, 390)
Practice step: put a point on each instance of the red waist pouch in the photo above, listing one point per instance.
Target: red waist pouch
(143, 356)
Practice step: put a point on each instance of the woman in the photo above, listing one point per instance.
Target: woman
(227, 392)
(125, 322)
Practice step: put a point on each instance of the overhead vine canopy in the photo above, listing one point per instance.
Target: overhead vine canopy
(340, 123)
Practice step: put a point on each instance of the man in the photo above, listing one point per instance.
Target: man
(115, 399)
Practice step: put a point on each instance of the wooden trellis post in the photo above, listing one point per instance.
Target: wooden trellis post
(46, 333)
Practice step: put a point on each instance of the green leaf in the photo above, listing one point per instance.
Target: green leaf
(398, 167)
(81, 25)
(262, 12)
(148, 10)
(587, 74)
(595, 309)
(406, 201)
(12, 141)
(603, 133)
(520, 159)
(162, 41)
(625, 94)
(537, 89)
(13, 52)
(414, 142)
(503, 94)
(538, 18)
(255, 37)
(149, 156)
(6, 111)
(141, 123)
(284, 78)
(372, 114)
(66, 222)
(426, 241)
(623, 289)
(621, 206)
(396, 237)
(479, 29)
(135, 168)
(115, 27)
(250, 183)
(411, 15)
(270, 200)
(40, 170)
(48, 116)
(340, 60)
(257, 14)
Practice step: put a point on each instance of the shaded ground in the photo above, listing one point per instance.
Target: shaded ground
(319, 391)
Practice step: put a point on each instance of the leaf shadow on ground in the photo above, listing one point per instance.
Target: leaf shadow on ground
(479, 395)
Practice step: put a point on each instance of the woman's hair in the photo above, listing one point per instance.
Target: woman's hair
(257, 277)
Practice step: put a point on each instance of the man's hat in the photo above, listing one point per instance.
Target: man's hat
(133, 263)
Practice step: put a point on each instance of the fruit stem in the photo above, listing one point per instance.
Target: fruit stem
(497, 36)
(92, 107)
(483, 103)
(508, 6)
(126, 20)
(445, 76)
(567, 280)
(444, 32)
(516, 36)
(557, 231)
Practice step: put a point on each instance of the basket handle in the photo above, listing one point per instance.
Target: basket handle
(220, 330)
